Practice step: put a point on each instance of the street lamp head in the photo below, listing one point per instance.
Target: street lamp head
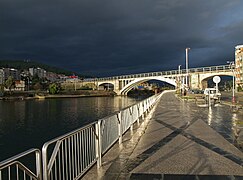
(231, 62)
(188, 48)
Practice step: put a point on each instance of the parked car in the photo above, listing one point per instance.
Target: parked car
(197, 91)
(213, 93)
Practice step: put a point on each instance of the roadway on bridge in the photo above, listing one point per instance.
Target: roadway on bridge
(176, 141)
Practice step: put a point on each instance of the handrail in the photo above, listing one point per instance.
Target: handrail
(14, 163)
(165, 73)
(71, 155)
(63, 153)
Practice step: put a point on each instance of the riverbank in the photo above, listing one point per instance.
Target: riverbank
(226, 99)
(64, 94)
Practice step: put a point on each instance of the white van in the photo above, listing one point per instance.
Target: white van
(213, 93)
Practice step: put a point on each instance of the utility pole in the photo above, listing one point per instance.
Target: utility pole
(187, 73)
(232, 63)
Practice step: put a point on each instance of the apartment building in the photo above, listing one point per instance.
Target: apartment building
(6, 72)
(41, 73)
(2, 77)
(239, 65)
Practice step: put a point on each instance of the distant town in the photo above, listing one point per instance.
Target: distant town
(36, 80)
(12, 79)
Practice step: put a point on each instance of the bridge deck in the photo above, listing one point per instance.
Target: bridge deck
(174, 142)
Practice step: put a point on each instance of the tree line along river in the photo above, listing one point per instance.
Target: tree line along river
(30, 123)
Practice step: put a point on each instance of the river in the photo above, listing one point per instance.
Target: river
(30, 123)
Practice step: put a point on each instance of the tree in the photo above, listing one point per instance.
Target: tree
(37, 86)
(1, 89)
(9, 83)
(53, 88)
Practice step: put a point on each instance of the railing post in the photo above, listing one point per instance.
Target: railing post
(143, 112)
(131, 119)
(98, 143)
(137, 106)
(131, 127)
(44, 161)
(38, 165)
(119, 116)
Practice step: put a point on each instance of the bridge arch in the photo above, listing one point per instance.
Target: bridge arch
(106, 86)
(137, 81)
(204, 78)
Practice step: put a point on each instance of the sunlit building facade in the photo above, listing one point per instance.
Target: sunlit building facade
(2, 77)
(41, 73)
(6, 72)
(239, 65)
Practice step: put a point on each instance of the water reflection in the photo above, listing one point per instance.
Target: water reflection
(210, 115)
(237, 128)
(223, 120)
(27, 124)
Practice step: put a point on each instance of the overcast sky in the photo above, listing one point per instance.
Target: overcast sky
(111, 37)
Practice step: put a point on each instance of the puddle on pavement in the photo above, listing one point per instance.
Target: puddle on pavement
(225, 121)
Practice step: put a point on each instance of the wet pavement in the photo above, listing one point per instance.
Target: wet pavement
(179, 140)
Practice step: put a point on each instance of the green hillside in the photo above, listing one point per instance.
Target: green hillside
(26, 64)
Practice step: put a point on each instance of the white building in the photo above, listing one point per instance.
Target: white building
(41, 73)
(19, 85)
(6, 72)
(239, 65)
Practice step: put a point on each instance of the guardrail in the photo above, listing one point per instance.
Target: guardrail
(166, 73)
(22, 166)
(71, 155)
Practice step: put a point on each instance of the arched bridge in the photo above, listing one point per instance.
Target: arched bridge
(197, 78)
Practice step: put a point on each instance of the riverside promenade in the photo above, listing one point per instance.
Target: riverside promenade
(173, 142)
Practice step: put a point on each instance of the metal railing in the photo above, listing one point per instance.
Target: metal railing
(26, 165)
(71, 155)
(220, 68)
(109, 132)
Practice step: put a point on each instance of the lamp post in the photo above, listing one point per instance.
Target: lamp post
(232, 63)
(179, 77)
(179, 69)
(28, 80)
(187, 83)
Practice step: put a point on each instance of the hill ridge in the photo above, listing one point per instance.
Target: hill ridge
(26, 64)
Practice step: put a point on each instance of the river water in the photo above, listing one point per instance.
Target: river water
(30, 123)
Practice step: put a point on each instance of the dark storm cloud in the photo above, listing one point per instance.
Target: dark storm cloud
(112, 37)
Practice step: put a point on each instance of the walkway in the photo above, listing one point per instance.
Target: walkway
(174, 143)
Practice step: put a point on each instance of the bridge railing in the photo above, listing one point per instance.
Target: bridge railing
(167, 73)
(71, 155)
(26, 165)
